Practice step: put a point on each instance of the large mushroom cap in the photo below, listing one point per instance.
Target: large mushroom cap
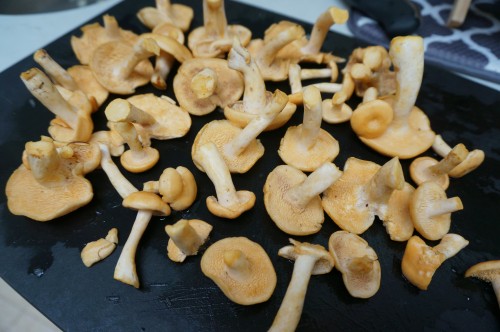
(357, 262)
(255, 283)
(228, 86)
(288, 218)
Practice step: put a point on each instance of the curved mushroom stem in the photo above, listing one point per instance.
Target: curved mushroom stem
(240, 142)
(119, 182)
(311, 124)
(450, 245)
(440, 146)
(456, 156)
(163, 66)
(43, 160)
(125, 270)
(120, 110)
(129, 134)
(444, 206)
(289, 313)
(214, 18)
(323, 23)
(204, 83)
(54, 70)
(236, 264)
(388, 178)
(270, 49)
(143, 49)
(345, 92)
(254, 97)
(316, 183)
(407, 54)
(42, 89)
(184, 236)
(370, 94)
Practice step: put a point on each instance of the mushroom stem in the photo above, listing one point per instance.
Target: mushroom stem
(316, 183)
(164, 9)
(119, 182)
(312, 117)
(370, 94)
(295, 78)
(306, 74)
(270, 49)
(214, 18)
(388, 178)
(163, 65)
(54, 70)
(254, 96)
(125, 270)
(184, 236)
(440, 146)
(43, 159)
(407, 54)
(323, 23)
(129, 134)
(120, 110)
(450, 245)
(42, 89)
(346, 90)
(289, 313)
(143, 49)
(452, 159)
(204, 83)
(236, 264)
(444, 206)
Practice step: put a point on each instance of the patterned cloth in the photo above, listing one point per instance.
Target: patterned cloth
(473, 48)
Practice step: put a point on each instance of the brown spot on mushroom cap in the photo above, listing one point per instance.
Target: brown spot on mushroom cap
(142, 200)
(325, 261)
(287, 217)
(202, 230)
(220, 132)
(228, 90)
(487, 271)
(255, 287)
(357, 262)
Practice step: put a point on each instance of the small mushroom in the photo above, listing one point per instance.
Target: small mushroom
(73, 120)
(472, 161)
(293, 200)
(229, 203)
(366, 190)
(431, 210)
(215, 37)
(241, 268)
(147, 204)
(424, 169)
(201, 85)
(110, 138)
(50, 187)
(186, 237)
(177, 186)
(420, 261)
(409, 133)
(310, 259)
(357, 262)
(96, 251)
(307, 146)
(240, 148)
(487, 271)
(336, 110)
(176, 14)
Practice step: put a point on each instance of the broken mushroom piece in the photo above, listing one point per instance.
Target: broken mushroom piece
(177, 186)
(229, 203)
(110, 138)
(186, 237)
(357, 262)
(420, 261)
(73, 120)
(307, 146)
(310, 259)
(366, 190)
(431, 210)
(201, 85)
(425, 169)
(409, 133)
(472, 161)
(241, 268)
(176, 14)
(147, 204)
(96, 251)
(215, 37)
(50, 187)
(487, 271)
(293, 200)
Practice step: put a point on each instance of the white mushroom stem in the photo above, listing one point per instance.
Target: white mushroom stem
(444, 206)
(289, 313)
(54, 70)
(307, 74)
(214, 18)
(451, 160)
(184, 236)
(321, 26)
(143, 49)
(370, 94)
(119, 182)
(316, 183)
(388, 178)
(295, 78)
(313, 117)
(41, 88)
(236, 264)
(204, 83)
(129, 134)
(254, 97)
(407, 54)
(125, 269)
(212, 162)
(43, 159)
(120, 110)
(450, 245)
(346, 91)
(271, 48)
(163, 65)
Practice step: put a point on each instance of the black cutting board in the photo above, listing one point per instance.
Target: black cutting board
(42, 262)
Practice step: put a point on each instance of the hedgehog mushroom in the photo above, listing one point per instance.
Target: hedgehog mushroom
(293, 200)
(186, 237)
(472, 161)
(409, 133)
(229, 203)
(215, 37)
(310, 259)
(51, 186)
(420, 261)
(241, 268)
(307, 146)
(336, 110)
(176, 14)
(487, 271)
(357, 262)
(73, 120)
(201, 85)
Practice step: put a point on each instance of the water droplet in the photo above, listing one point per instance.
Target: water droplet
(468, 298)
(98, 213)
(32, 103)
(38, 272)
(113, 299)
